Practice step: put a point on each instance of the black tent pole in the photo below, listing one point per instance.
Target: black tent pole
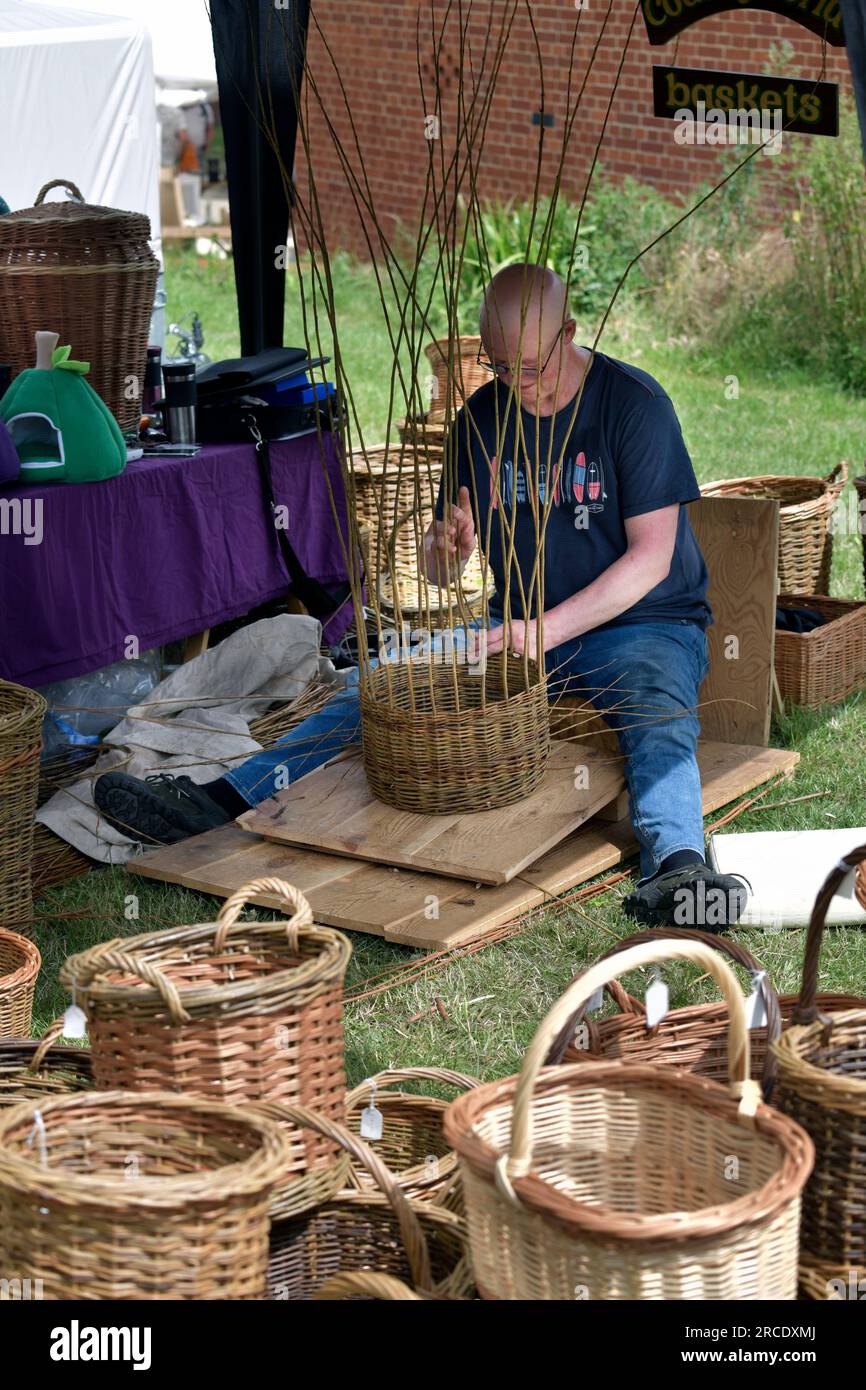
(854, 26)
(259, 49)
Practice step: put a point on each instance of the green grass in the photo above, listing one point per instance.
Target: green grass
(494, 1000)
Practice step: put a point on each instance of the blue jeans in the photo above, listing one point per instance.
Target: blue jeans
(643, 677)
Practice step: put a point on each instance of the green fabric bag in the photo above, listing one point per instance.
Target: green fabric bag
(60, 427)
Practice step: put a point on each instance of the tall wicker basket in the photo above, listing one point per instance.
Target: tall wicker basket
(89, 274)
(805, 535)
(822, 1085)
(454, 381)
(616, 1181)
(231, 1010)
(389, 486)
(21, 712)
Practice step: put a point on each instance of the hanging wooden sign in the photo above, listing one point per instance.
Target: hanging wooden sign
(664, 19)
(809, 108)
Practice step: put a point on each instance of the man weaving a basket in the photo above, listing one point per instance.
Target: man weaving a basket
(625, 591)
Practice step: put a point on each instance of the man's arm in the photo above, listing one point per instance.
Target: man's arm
(449, 544)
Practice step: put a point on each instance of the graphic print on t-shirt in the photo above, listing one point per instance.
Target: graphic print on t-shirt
(574, 482)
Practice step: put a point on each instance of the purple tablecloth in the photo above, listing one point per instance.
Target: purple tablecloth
(165, 550)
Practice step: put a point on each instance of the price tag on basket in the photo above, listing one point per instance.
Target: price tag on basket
(371, 1118)
(74, 1021)
(756, 1013)
(656, 1000)
(595, 1001)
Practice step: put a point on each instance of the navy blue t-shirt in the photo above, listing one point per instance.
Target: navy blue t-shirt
(624, 456)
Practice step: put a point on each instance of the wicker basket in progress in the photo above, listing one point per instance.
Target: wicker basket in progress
(90, 274)
(107, 1195)
(455, 380)
(19, 965)
(238, 1011)
(412, 1146)
(618, 1181)
(805, 536)
(822, 1085)
(822, 666)
(21, 712)
(384, 1231)
(424, 753)
(694, 1038)
(33, 1070)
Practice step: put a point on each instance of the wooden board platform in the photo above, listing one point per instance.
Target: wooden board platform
(401, 905)
(333, 810)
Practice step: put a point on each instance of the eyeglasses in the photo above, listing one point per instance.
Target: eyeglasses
(502, 368)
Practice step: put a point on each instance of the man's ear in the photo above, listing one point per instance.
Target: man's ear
(569, 329)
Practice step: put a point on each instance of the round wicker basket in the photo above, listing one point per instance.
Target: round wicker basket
(805, 536)
(618, 1181)
(33, 1070)
(106, 1195)
(19, 965)
(239, 1011)
(822, 1085)
(21, 713)
(442, 739)
(87, 273)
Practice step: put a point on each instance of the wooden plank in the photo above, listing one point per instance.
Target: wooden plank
(331, 810)
(739, 537)
(727, 772)
(615, 810)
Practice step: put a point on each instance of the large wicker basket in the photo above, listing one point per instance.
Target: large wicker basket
(822, 666)
(32, 1070)
(19, 965)
(384, 1231)
(455, 380)
(413, 1146)
(239, 1011)
(822, 1085)
(805, 534)
(389, 485)
(620, 1181)
(423, 753)
(90, 275)
(21, 713)
(107, 1195)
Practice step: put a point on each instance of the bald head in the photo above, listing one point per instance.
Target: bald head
(516, 289)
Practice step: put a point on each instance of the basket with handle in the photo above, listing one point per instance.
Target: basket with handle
(622, 1181)
(19, 965)
(694, 1037)
(805, 534)
(21, 713)
(384, 1231)
(110, 1195)
(412, 1145)
(822, 1085)
(365, 1283)
(231, 1010)
(89, 274)
(31, 1070)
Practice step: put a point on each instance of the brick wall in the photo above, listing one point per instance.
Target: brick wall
(374, 45)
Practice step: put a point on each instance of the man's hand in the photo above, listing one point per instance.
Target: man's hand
(521, 637)
(453, 538)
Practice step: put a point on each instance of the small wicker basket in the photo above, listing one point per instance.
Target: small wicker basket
(822, 666)
(412, 1146)
(107, 1195)
(805, 535)
(239, 1011)
(454, 381)
(616, 1181)
(89, 274)
(822, 1085)
(383, 1231)
(19, 965)
(423, 752)
(33, 1070)
(21, 713)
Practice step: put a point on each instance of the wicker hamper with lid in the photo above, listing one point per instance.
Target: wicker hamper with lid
(89, 274)
(618, 1181)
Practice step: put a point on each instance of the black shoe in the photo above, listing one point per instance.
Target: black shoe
(694, 896)
(160, 810)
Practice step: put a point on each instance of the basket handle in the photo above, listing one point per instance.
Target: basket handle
(135, 965)
(442, 1075)
(413, 1237)
(70, 187)
(301, 914)
(366, 1281)
(806, 1009)
(838, 476)
(47, 1041)
(517, 1161)
(738, 954)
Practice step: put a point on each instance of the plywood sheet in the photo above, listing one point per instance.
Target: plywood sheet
(332, 810)
(739, 537)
